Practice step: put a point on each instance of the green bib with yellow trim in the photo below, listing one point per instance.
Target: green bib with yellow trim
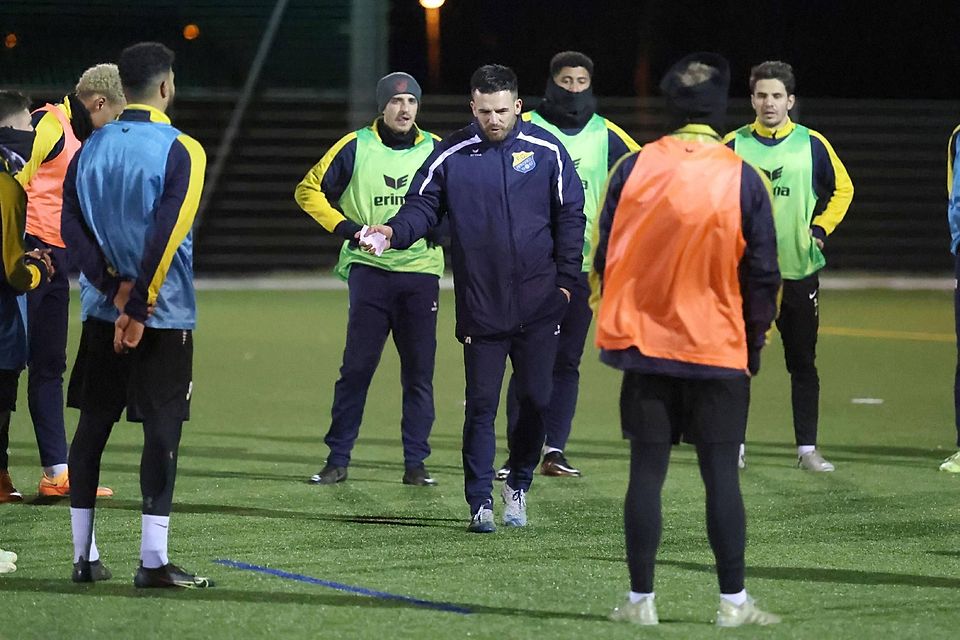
(589, 149)
(381, 177)
(789, 167)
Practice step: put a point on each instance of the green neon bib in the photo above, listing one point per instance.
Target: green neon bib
(381, 177)
(589, 150)
(789, 166)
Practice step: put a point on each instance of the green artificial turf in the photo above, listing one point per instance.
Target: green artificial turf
(868, 550)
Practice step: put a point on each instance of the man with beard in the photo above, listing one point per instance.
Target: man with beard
(515, 206)
(568, 111)
(61, 128)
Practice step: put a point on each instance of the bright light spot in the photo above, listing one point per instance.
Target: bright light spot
(10, 41)
(431, 4)
(191, 32)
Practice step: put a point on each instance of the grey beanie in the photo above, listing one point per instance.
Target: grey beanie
(393, 84)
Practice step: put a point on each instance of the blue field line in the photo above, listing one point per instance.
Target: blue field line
(427, 604)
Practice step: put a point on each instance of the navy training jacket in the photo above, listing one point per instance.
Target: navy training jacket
(516, 224)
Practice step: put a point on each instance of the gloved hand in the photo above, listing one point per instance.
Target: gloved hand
(439, 234)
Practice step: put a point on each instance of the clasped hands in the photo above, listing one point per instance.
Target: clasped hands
(127, 331)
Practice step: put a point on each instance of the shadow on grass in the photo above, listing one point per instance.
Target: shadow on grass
(317, 439)
(243, 454)
(257, 512)
(821, 575)
(220, 594)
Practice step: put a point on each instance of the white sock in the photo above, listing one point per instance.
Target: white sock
(735, 599)
(153, 541)
(804, 449)
(743, 450)
(84, 538)
(547, 450)
(55, 470)
(637, 597)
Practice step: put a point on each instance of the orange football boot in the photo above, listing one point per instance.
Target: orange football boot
(59, 487)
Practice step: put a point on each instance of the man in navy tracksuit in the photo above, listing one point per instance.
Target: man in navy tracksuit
(515, 206)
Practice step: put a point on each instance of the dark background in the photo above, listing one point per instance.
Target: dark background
(839, 49)
(881, 81)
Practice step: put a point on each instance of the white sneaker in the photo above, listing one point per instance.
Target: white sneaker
(482, 520)
(8, 556)
(813, 461)
(730, 615)
(7, 567)
(951, 464)
(515, 506)
(643, 612)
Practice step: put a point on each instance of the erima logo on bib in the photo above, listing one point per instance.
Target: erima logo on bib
(523, 161)
(773, 175)
(392, 199)
(395, 183)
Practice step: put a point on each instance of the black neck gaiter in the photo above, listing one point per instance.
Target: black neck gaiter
(395, 140)
(566, 109)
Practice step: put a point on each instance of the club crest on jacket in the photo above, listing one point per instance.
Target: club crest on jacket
(523, 161)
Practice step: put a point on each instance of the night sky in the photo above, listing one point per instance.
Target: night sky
(838, 49)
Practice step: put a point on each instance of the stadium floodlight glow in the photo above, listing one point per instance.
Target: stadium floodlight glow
(191, 32)
(10, 41)
(432, 10)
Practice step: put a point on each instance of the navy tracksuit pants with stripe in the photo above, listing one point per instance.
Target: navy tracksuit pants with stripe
(532, 351)
(384, 302)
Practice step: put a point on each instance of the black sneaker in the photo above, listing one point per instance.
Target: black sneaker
(86, 571)
(169, 575)
(555, 464)
(418, 476)
(329, 475)
(503, 472)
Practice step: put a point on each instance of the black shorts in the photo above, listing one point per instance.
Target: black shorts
(662, 409)
(153, 380)
(8, 389)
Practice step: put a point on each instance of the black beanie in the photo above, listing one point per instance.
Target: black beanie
(701, 103)
(393, 84)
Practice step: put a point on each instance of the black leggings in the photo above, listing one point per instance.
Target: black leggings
(4, 438)
(158, 463)
(726, 520)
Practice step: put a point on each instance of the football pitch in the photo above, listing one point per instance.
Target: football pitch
(870, 550)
